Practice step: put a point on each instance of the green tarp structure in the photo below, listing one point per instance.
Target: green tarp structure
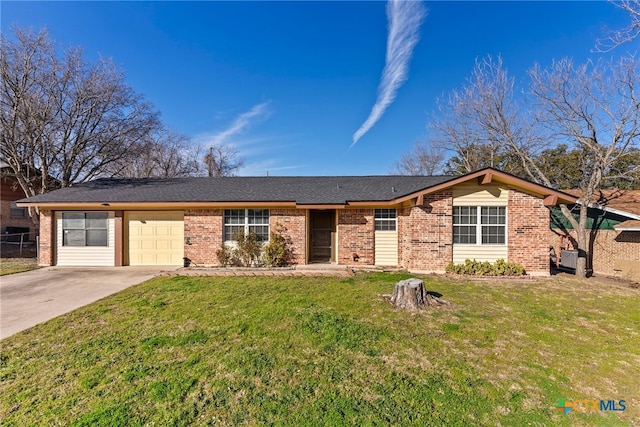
(596, 218)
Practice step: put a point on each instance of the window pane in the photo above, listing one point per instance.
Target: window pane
(262, 231)
(258, 216)
(230, 231)
(465, 215)
(234, 216)
(493, 235)
(97, 237)
(464, 234)
(17, 212)
(385, 213)
(493, 214)
(73, 238)
(385, 219)
(385, 225)
(97, 220)
(73, 220)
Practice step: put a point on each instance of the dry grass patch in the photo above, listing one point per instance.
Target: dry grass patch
(17, 265)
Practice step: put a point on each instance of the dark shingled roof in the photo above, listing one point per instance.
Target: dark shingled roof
(301, 190)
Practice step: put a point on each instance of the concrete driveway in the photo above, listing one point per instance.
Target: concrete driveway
(27, 299)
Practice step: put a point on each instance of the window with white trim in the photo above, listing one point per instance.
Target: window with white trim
(484, 225)
(85, 228)
(246, 221)
(385, 219)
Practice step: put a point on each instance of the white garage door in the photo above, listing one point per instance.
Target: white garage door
(156, 238)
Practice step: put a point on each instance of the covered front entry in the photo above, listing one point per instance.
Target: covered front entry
(155, 237)
(322, 235)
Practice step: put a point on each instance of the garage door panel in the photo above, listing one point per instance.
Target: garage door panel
(156, 238)
(147, 245)
(147, 231)
(164, 231)
(162, 245)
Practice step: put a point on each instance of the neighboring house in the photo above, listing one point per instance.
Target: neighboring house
(417, 222)
(614, 227)
(13, 217)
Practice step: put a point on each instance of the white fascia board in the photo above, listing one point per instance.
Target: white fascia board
(612, 210)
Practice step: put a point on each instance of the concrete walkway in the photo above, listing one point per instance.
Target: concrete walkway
(36, 296)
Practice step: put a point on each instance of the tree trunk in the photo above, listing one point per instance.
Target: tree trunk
(583, 245)
(410, 294)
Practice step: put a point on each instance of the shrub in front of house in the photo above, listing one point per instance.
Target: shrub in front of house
(248, 251)
(225, 255)
(274, 252)
(248, 248)
(485, 268)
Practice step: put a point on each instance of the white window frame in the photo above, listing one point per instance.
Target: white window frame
(385, 219)
(246, 223)
(480, 226)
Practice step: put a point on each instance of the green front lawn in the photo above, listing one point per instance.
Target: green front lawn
(329, 351)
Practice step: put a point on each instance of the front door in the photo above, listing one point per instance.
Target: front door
(322, 232)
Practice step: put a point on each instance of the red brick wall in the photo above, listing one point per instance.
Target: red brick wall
(355, 235)
(203, 232)
(291, 223)
(203, 229)
(527, 232)
(425, 233)
(7, 221)
(46, 247)
(10, 192)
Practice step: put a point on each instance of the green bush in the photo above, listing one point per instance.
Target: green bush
(485, 268)
(248, 248)
(274, 253)
(277, 252)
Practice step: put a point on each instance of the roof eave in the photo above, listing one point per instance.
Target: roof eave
(612, 210)
(151, 205)
(489, 175)
(633, 228)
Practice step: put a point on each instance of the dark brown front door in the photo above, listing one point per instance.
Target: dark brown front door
(322, 231)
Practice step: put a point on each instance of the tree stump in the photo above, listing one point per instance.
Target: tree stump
(410, 294)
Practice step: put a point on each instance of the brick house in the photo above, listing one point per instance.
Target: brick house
(12, 216)
(417, 222)
(614, 228)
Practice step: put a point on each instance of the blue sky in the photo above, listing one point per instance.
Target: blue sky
(289, 84)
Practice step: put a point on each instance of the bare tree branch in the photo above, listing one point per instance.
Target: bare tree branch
(624, 35)
(165, 154)
(63, 120)
(423, 159)
(222, 160)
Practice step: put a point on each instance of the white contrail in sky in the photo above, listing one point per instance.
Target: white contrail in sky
(405, 17)
(239, 124)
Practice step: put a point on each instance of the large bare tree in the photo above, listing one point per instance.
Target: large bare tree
(63, 120)
(594, 106)
(591, 107)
